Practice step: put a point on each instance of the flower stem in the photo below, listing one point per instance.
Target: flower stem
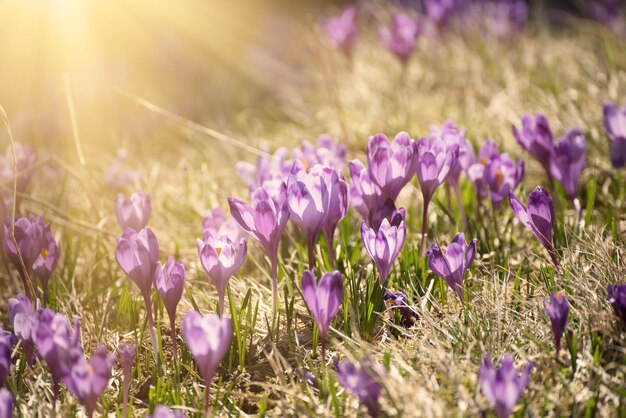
(274, 262)
(459, 199)
(311, 248)
(153, 337)
(125, 395)
(331, 249)
(424, 225)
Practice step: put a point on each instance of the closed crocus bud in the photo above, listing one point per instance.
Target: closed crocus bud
(308, 198)
(342, 30)
(384, 245)
(323, 299)
(56, 344)
(615, 126)
(169, 281)
(536, 138)
(436, 160)
(568, 161)
(47, 260)
(617, 299)
(6, 404)
(502, 387)
(133, 212)
(557, 312)
(538, 216)
(88, 379)
(391, 165)
(208, 338)
(400, 37)
(362, 381)
(163, 411)
(221, 259)
(6, 348)
(138, 254)
(365, 194)
(30, 237)
(502, 175)
(24, 320)
(451, 262)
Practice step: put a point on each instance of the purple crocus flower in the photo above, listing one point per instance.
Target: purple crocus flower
(505, 18)
(216, 223)
(538, 216)
(398, 300)
(221, 259)
(337, 204)
(451, 262)
(170, 283)
(138, 255)
(29, 235)
(441, 11)
(557, 312)
(46, 261)
(87, 379)
(134, 211)
(568, 161)
(323, 299)
(536, 138)
(264, 220)
(308, 199)
(342, 30)
(617, 299)
(436, 160)
(118, 177)
(476, 171)
(127, 354)
(163, 411)
(269, 170)
(6, 348)
(503, 387)
(501, 176)
(384, 245)
(361, 381)
(26, 158)
(208, 339)
(328, 152)
(401, 36)
(615, 126)
(24, 320)
(56, 344)
(607, 12)
(6, 404)
(365, 195)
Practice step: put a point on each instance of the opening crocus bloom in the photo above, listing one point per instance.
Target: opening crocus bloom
(436, 160)
(208, 338)
(568, 161)
(391, 165)
(365, 194)
(501, 176)
(6, 403)
(536, 138)
(476, 170)
(221, 259)
(342, 30)
(337, 204)
(88, 379)
(615, 126)
(538, 216)
(451, 263)
(361, 381)
(557, 311)
(502, 387)
(30, 236)
(47, 260)
(401, 36)
(617, 299)
(216, 223)
(451, 134)
(134, 211)
(384, 245)
(323, 299)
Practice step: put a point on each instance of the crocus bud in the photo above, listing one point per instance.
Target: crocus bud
(138, 254)
(24, 320)
(400, 37)
(169, 281)
(208, 339)
(436, 161)
(504, 19)
(341, 30)
(337, 203)
(536, 138)
(6, 348)
(391, 165)
(538, 216)
(47, 260)
(441, 11)
(134, 211)
(615, 126)
(502, 387)
(476, 170)
(361, 381)
(221, 259)
(6, 403)
(323, 299)
(384, 245)
(88, 379)
(365, 194)
(56, 344)
(557, 312)
(568, 161)
(450, 263)
(617, 299)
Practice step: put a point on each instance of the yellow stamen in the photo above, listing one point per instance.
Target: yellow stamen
(89, 368)
(44, 253)
(559, 295)
(484, 160)
(499, 178)
(305, 164)
(218, 250)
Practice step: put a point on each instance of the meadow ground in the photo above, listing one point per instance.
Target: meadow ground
(431, 367)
